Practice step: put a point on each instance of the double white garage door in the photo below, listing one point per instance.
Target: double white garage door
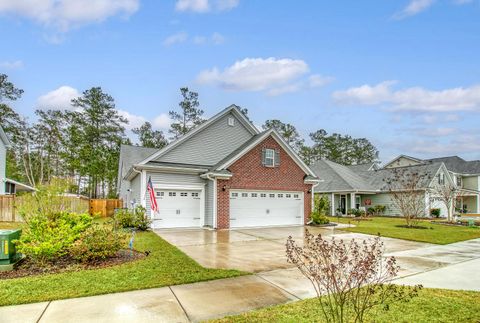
(183, 208)
(265, 208)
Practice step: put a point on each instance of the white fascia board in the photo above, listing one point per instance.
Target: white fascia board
(232, 108)
(4, 138)
(170, 169)
(404, 156)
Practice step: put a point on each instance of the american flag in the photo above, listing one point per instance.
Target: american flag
(151, 192)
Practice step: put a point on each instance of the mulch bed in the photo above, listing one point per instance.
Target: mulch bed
(28, 268)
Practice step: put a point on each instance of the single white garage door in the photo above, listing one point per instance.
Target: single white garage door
(265, 208)
(177, 209)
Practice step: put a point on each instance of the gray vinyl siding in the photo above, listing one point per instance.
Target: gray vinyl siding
(384, 199)
(210, 145)
(3, 166)
(209, 203)
(135, 193)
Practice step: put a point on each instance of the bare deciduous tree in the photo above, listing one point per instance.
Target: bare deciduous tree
(447, 193)
(407, 190)
(349, 278)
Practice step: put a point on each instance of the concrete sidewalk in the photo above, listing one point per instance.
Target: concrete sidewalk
(452, 266)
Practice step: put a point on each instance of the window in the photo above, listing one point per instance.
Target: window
(254, 194)
(280, 196)
(269, 157)
(244, 194)
(234, 194)
(271, 195)
(231, 121)
(195, 194)
(263, 195)
(357, 202)
(288, 196)
(172, 194)
(441, 179)
(295, 196)
(160, 194)
(459, 181)
(184, 194)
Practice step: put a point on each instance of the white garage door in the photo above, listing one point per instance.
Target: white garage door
(177, 209)
(265, 208)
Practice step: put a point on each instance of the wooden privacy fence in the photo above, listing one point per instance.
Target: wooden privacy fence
(7, 208)
(9, 205)
(104, 207)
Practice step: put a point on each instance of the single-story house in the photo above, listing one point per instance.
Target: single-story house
(364, 186)
(222, 174)
(8, 186)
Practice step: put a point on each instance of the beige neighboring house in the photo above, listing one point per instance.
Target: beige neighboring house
(363, 186)
(8, 186)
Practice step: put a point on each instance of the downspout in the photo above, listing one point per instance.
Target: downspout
(214, 206)
(130, 192)
(313, 199)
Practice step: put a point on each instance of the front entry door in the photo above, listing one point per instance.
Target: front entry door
(343, 204)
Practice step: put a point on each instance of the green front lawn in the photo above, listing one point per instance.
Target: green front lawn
(391, 227)
(166, 265)
(432, 305)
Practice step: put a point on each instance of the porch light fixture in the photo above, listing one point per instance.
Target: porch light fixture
(224, 188)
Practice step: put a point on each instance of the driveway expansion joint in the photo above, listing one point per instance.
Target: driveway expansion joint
(180, 303)
(277, 286)
(43, 312)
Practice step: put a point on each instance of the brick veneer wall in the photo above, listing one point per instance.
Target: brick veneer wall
(249, 173)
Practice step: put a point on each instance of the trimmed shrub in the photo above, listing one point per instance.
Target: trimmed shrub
(136, 218)
(46, 238)
(97, 243)
(318, 218)
(435, 213)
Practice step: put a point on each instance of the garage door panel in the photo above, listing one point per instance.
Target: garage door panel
(177, 209)
(265, 208)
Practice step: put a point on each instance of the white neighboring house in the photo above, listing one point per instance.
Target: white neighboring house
(8, 186)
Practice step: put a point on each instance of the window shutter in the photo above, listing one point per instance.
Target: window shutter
(277, 158)
(263, 157)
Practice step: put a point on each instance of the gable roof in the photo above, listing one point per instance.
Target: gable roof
(254, 141)
(129, 156)
(4, 138)
(403, 156)
(336, 177)
(363, 167)
(458, 165)
(231, 109)
(339, 178)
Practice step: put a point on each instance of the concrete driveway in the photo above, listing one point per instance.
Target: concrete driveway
(261, 249)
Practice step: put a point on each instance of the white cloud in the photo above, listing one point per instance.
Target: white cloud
(436, 132)
(217, 38)
(192, 5)
(62, 15)
(58, 99)
(317, 80)
(255, 74)
(415, 99)
(413, 8)
(289, 88)
(203, 6)
(11, 65)
(177, 38)
(162, 121)
(459, 144)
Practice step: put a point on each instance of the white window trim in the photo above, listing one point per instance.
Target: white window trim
(272, 158)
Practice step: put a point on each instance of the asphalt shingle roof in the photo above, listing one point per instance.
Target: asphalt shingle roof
(458, 165)
(131, 155)
(337, 177)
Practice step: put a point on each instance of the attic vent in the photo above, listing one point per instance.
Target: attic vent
(231, 121)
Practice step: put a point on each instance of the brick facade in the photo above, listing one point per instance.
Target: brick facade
(249, 173)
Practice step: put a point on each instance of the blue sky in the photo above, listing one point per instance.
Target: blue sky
(404, 73)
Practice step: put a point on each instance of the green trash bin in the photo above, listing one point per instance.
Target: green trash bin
(8, 252)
